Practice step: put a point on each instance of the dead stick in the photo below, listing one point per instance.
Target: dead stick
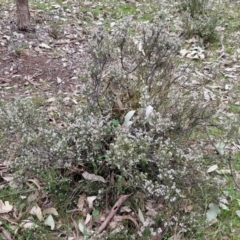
(114, 209)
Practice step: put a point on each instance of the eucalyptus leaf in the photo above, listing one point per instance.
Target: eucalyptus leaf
(238, 213)
(127, 123)
(212, 212)
(49, 221)
(140, 215)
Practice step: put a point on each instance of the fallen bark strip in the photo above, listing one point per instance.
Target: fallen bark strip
(113, 211)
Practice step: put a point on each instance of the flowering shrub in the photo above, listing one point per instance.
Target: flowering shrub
(138, 124)
(132, 72)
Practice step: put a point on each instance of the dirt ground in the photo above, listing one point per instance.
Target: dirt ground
(39, 62)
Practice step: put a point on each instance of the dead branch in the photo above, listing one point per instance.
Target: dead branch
(113, 211)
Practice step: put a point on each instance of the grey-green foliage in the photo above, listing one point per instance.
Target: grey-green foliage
(130, 62)
(199, 18)
(132, 69)
(36, 143)
(203, 26)
(21, 124)
(194, 7)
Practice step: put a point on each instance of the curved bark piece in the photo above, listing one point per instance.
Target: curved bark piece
(113, 211)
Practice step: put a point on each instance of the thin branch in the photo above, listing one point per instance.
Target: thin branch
(232, 173)
(113, 211)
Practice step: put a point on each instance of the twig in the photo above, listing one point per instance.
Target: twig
(75, 226)
(232, 174)
(115, 208)
(21, 192)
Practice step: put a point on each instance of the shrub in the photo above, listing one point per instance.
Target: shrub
(131, 79)
(132, 70)
(199, 19)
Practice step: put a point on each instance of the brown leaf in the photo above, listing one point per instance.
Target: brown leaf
(6, 217)
(6, 234)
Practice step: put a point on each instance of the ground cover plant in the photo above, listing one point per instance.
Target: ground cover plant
(120, 120)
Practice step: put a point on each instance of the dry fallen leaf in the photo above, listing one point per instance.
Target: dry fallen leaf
(58, 225)
(113, 224)
(184, 52)
(126, 209)
(90, 201)
(49, 221)
(48, 211)
(81, 202)
(5, 234)
(8, 177)
(52, 99)
(44, 45)
(140, 215)
(151, 213)
(36, 210)
(36, 182)
(88, 219)
(28, 224)
(124, 217)
(175, 237)
(81, 227)
(6, 37)
(8, 218)
(38, 49)
(212, 168)
(188, 208)
(224, 171)
(32, 197)
(93, 177)
(3, 168)
(5, 207)
(59, 80)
